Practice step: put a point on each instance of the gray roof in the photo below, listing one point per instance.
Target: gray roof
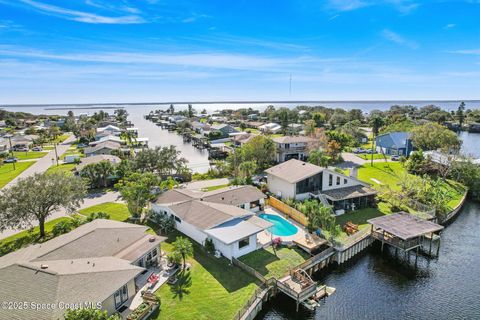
(96, 159)
(348, 192)
(205, 210)
(404, 225)
(293, 139)
(87, 264)
(396, 140)
(103, 145)
(294, 170)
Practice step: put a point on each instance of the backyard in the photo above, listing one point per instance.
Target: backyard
(63, 167)
(116, 211)
(270, 265)
(212, 289)
(7, 173)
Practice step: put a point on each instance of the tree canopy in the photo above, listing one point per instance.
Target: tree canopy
(432, 136)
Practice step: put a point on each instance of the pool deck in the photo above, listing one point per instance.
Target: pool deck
(264, 238)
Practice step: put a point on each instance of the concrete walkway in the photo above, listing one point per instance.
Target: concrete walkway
(43, 163)
(350, 160)
(199, 185)
(90, 200)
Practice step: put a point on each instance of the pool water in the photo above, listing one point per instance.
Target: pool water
(281, 227)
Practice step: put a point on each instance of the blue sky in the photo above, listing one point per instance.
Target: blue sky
(75, 51)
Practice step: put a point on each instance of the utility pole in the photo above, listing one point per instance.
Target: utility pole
(56, 154)
(9, 136)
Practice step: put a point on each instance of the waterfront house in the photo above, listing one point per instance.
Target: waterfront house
(300, 180)
(270, 127)
(105, 147)
(224, 129)
(242, 138)
(110, 137)
(292, 147)
(226, 216)
(113, 130)
(100, 262)
(394, 143)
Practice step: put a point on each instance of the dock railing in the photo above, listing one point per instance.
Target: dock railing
(353, 239)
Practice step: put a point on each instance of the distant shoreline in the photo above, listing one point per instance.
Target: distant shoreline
(91, 105)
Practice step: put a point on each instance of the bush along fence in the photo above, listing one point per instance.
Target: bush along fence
(287, 210)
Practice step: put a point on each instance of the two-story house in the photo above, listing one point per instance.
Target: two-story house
(292, 147)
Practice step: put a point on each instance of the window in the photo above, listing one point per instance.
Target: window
(338, 181)
(243, 243)
(330, 180)
(120, 296)
(345, 181)
(178, 219)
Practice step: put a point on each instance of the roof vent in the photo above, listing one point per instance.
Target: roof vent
(44, 266)
(223, 198)
(303, 163)
(151, 239)
(201, 199)
(93, 265)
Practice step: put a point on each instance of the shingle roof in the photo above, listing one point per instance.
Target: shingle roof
(86, 264)
(205, 210)
(106, 144)
(294, 170)
(396, 140)
(293, 139)
(348, 192)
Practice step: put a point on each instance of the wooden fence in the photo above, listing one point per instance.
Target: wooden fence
(287, 210)
(249, 270)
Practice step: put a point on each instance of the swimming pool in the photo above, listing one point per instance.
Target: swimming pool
(281, 227)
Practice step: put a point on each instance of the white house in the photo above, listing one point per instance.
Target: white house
(226, 216)
(111, 128)
(270, 127)
(301, 180)
(292, 147)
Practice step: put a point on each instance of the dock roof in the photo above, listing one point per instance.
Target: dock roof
(404, 225)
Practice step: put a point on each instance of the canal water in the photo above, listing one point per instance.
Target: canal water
(378, 286)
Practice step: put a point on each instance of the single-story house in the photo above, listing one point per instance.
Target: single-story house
(224, 129)
(105, 147)
(113, 129)
(270, 127)
(96, 159)
(109, 137)
(98, 264)
(394, 143)
(226, 216)
(301, 180)
(292, 147)
(242, 138)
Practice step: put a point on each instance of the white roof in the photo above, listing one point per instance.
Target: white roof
(237, 229)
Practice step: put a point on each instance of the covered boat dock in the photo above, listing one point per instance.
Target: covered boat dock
(406, 232)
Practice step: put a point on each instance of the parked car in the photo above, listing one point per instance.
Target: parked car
(395, 158)
(24, 149)
(82, 145)
(358, 150)
(10, 160)
(37, 148)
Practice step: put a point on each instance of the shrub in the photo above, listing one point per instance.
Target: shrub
(97, 215)
(209, 246)
(62, 227)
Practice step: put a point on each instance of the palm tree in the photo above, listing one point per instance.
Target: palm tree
(183, 247)
(247, 168)
(104, 169)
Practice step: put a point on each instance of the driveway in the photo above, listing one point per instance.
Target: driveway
(43, 163)
(199, 185)
(89, 200)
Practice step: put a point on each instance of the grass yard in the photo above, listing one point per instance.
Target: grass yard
(211, 188)
(369, 156)
(270, 265)
(117, 211)
(61, 138)
(66, 167)
(29, 155)
(212, 289)
(7, 173)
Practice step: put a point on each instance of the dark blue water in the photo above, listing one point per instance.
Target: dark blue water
(378, 286)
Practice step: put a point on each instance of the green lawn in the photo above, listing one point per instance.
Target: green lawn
(7, 173)
(117, 211)
(270, 265)
(29, 155)
(211, 188)
(66, 167)
(212, 289)
(369, 156)
(61, 138)
(390, 174)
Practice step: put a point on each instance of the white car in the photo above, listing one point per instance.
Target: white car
(37, 149)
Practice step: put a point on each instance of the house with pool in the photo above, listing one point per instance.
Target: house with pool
(300, 180)
(227, 216)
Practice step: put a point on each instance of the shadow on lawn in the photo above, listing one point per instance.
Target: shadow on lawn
(182, 286)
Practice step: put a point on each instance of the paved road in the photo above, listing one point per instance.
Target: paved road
(44, 163)
(90, 200)
(351, 160)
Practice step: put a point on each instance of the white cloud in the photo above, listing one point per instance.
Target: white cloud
(450, 26)
(398, 39)
(467, 51)
(347, 5)
(402, 6)
(81, 16)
